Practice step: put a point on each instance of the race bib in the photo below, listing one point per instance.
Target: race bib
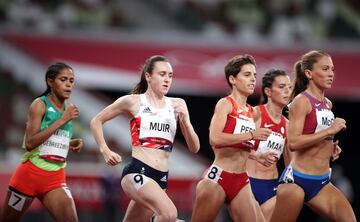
(16, 201)
(139, 180)
(213, 173)
(155, 127)
(275, 143)
(288, 176)
(68, 192)
(56, 147)
(324, 118)
(244, 126)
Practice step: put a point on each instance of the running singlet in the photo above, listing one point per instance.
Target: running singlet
(154, 128)
(239, 121)
(51, 155)
(276, 140)
(320, 117)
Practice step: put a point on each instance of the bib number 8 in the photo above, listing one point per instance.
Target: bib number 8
(213, 172)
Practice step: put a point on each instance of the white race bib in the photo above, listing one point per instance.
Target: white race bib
(158, 128)
(16, 201)
(275, 143)
(139, 180)
(244, 126)
(56, 147)
(213, 173)
(324, 118)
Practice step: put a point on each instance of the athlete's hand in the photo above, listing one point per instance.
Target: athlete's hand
(336, 152)
(261, 134)
(267, 159)
(111, 158)
(70, 113)
(338, 125)
(181, 109)
(76, 145)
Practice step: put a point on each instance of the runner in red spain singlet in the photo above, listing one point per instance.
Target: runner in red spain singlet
(232, 134)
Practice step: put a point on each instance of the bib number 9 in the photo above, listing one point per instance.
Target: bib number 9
(139, 179)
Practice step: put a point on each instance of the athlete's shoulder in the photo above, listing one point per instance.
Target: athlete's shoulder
(129, 99)
(225, 101)
(300, 97)
(127, 103)
(176, 99)
(300, 104)
(223, 105)
(37, 107)
(38, 103)
(256, 113)
(299, 100)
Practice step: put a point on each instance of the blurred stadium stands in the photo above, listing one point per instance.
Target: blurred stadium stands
(106, 41)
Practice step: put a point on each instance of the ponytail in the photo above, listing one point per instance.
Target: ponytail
(306, 63)
(142, 85)
(301, 81)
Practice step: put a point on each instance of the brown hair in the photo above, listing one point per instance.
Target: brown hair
(268, 80)
(307, 62)
(233, 67)
(148, 66)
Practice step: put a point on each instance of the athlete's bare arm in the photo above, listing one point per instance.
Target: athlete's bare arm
(33, 136)
(187, 128)
(299, 108)
(127, 105)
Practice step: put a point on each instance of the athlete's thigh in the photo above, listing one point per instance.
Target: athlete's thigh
(267, 207)
(332, 204)
(289, 202)
(244, 207)
(15, 206)
(60, 204)
(210, 197)
(137, 212)
(147, 192)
